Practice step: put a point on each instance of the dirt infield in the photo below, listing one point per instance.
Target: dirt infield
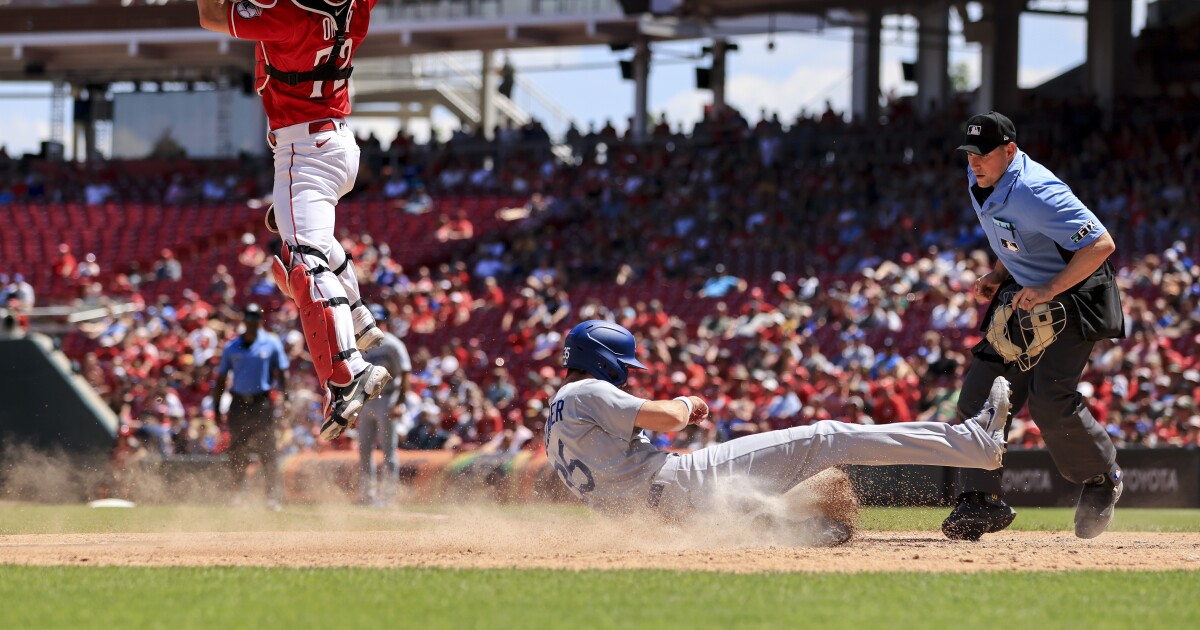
(455, 547)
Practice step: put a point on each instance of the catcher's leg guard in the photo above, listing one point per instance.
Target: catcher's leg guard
(366, 334)
(316, 318)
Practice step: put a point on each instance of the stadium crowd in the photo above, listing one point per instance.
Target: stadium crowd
(787, 274)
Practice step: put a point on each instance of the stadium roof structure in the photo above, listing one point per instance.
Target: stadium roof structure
(99, 42)
(103, 41)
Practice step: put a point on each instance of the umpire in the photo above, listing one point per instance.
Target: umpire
(1053, 295)
(375, 425)
(256, 359)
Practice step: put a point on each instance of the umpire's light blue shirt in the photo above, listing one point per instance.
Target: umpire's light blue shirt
(1028, 216)
(252, 365)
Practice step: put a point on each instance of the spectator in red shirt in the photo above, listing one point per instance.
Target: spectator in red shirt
(65, 266)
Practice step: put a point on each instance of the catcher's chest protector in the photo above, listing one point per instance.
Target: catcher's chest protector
(330, 8)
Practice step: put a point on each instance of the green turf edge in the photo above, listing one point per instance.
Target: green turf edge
(236, 597)
(1037, 519)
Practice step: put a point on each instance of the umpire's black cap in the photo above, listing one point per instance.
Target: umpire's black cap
(252, 311)
(987, 131)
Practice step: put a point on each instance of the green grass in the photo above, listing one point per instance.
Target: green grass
(74, 597)
(249, 597)
(1037, 519)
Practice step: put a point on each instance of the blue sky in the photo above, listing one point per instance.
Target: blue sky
(801, 72)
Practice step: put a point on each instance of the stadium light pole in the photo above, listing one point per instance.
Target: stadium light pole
(487, 94)
(641, 81)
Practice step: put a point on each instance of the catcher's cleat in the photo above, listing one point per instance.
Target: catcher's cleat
(1097, 502)
(976, 514)
(348, 401)
(269, 219)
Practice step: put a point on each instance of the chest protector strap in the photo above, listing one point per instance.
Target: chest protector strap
(339, 12)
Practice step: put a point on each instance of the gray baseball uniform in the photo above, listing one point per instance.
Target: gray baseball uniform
(611, 466)
(375, 424)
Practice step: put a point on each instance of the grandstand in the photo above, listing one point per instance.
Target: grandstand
(844, 238)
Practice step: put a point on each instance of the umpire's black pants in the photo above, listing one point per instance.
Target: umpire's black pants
(1079, 445)
(252, 432)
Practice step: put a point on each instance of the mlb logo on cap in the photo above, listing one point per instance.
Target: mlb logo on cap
(987, 131)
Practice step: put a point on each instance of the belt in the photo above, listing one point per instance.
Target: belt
(250, 397)
(294, 133)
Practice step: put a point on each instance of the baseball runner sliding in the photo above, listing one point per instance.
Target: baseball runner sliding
(595, 440)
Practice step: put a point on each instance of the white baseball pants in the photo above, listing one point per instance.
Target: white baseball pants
(313, 169)
(776, 461)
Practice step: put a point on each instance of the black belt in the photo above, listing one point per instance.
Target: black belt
(250, 397)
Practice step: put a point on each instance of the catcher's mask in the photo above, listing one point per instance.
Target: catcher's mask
(1021, 336)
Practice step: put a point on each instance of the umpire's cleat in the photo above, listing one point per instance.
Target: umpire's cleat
(996, 411)
(349, 400)
(1097, 502)
(976, 514)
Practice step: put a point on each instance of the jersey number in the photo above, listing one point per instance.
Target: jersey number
(343, 62)
(565, 470)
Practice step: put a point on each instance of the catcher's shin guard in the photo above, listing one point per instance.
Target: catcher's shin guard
(316, 318)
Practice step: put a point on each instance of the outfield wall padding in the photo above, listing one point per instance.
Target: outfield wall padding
(46, 406)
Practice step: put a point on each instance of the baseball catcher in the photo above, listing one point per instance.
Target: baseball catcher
(303, 66)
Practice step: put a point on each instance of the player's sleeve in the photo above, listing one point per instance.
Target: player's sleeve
(403, 361)
(223, 366)
(610, 408)
(261, 20)
(282, 356)
(1063, 218)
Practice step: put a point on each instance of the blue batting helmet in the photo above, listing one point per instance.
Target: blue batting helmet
(603, 349)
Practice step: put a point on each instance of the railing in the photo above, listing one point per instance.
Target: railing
(490, 9)
(394, 9)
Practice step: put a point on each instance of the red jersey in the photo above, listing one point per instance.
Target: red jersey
(293, 39)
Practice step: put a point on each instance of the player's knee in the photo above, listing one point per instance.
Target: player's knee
(1052, 407)
(827, 427)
